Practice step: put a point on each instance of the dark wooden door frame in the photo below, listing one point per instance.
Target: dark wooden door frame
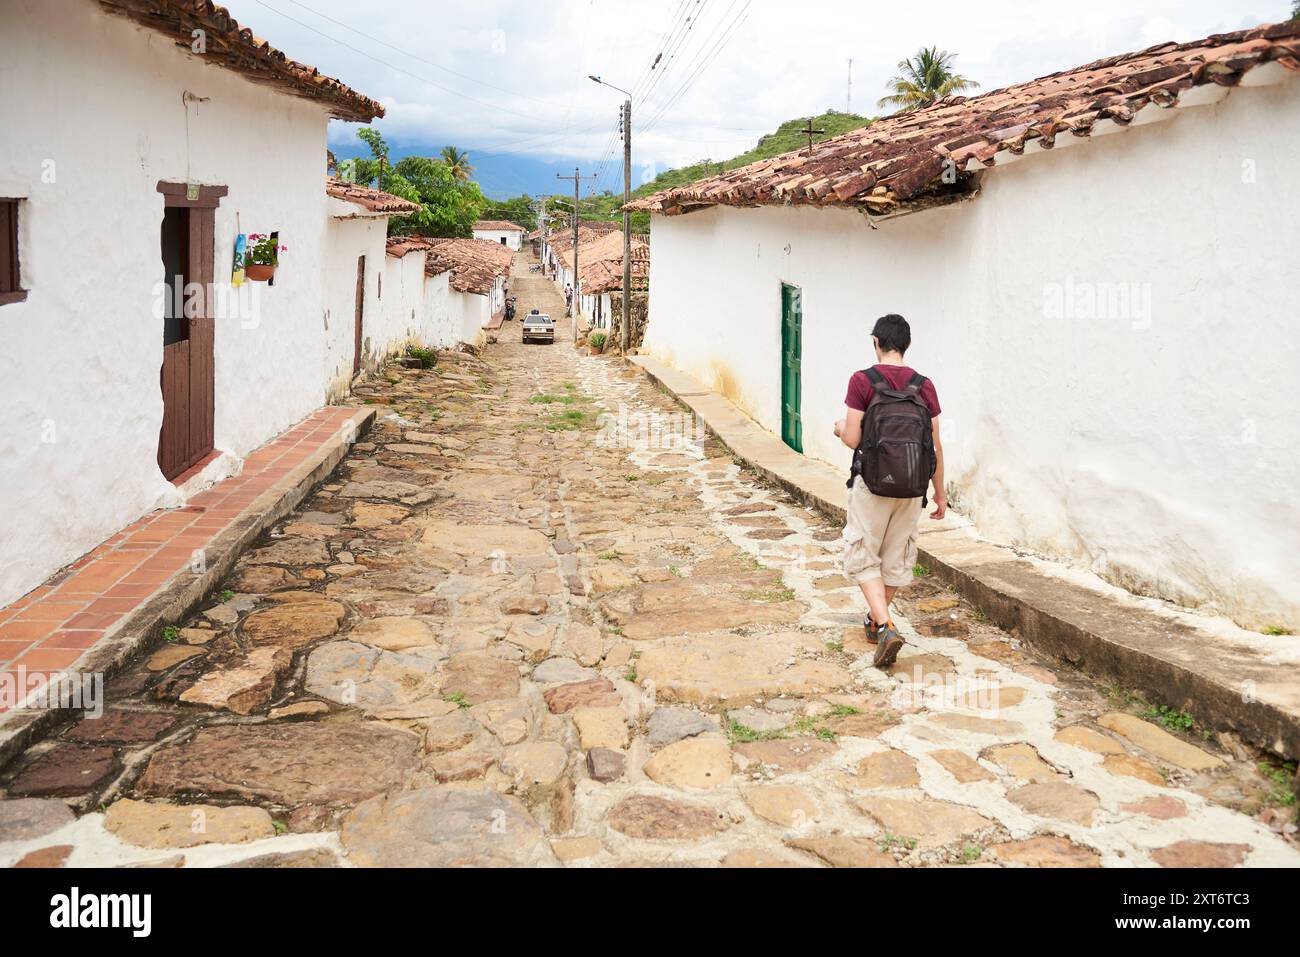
(187, 378)
(357, 338)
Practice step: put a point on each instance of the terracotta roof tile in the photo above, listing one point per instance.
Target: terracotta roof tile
(374, 200)
(474, 263)
(899, 158)
(399, 246)
(498, 225)
(236, 48)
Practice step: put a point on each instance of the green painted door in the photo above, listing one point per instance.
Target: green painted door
(791, 355)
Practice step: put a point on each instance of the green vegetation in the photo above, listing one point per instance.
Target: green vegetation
(428, 357)
(786, 138)
(450, 204)
(456, 161)
(548, 399)
(889, 841)
(518, 210)
(171, 633)
(920, 571)
(457, 698)
(596, 340)
(774, 595)
(610, 556)
(971, 853)
(1172, 720)
(227, 595)
(924, 78)
(1275, 629)
(1282, 778)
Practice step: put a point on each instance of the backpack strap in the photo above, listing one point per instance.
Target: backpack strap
(916, 383)
(875, 378)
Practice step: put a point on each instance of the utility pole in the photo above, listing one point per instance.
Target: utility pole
(848, 103)
(627, 226)
(626, 335)
(576, 306)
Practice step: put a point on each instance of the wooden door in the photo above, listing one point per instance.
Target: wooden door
(361, 306)
(791, 366)
(187, 377)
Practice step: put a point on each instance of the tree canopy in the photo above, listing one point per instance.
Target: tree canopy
(923, 79)
(449, 204)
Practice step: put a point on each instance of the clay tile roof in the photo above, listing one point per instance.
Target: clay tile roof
(374, 200)
(497, 226)
(236, 48)
(474, 263)
(899, 158)
(399, 246)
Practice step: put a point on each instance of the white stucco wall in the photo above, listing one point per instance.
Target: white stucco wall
(405, 320)
(80, 404)
(1155, 446)
(349, 237)
(514, 239)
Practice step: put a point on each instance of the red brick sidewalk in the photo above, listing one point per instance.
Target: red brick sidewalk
(53, 625)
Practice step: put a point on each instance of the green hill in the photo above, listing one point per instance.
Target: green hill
(786, 138)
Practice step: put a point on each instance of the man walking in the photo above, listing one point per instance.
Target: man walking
(892, 424)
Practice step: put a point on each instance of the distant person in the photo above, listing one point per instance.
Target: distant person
(892, 424)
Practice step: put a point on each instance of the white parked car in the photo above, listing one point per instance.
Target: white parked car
(538, 327)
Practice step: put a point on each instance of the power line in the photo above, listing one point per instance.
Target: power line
(438, 66)
(392, 66)
(674, 49)
(718, 47)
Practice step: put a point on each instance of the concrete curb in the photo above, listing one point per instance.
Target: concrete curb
(1226, 684)
(176, 598)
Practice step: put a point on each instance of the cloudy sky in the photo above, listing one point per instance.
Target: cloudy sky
(507, 81)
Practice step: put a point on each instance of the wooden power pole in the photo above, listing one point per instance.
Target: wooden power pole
(576, 307)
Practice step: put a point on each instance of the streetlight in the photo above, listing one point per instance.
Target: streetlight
(626, 337)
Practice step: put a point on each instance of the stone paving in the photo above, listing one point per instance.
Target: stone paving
(509, 631)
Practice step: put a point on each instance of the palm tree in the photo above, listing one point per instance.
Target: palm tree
(925, 78)
(457, 161)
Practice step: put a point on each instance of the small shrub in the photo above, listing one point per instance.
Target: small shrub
(596, 340)
(428, 357)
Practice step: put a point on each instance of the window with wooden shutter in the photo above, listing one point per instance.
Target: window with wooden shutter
(11, 289)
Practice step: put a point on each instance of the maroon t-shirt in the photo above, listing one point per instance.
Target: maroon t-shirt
(860, 391)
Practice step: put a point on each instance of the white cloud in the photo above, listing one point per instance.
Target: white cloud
(523, 64)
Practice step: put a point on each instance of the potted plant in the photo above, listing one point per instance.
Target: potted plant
(596, 341)
(262, 257)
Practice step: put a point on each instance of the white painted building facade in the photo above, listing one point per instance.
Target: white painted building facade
(81, 407)
(506, 234)
(1110, 328)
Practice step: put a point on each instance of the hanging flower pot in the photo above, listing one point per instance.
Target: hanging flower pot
(262, 257)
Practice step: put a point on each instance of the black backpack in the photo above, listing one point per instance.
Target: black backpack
(896, 454)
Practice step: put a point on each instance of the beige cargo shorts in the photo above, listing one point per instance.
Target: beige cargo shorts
(880, 537)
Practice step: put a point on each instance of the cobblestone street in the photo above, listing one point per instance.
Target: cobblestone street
(523, 625)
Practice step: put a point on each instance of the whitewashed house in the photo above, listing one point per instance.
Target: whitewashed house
(600, 265)
(500, 231)
(362, 329)
(190, 131)
(1110, 320)
(479, 271)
